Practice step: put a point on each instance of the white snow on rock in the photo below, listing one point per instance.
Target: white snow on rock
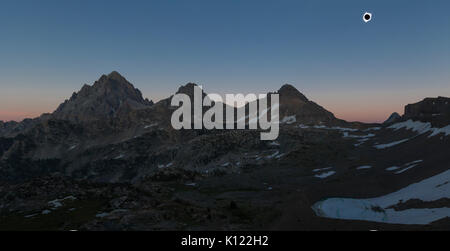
(102, 215)
(343, 129)
(273, 155)
(421, 128)
(46, 211)
(120, 156)
(59, 202)
(363, 167)
(415, 126)
(165, 166)
(414, 162)
(406, 167)
(361, 141)
(393, 168)
(347, 135)
(150, 126)
(72, 147)
(384, 146)
(373, 129)
(274, 143)
(322, 169)
(279, 156)
(325, 175)
(377, 209)
(289, 120)
(437, 131)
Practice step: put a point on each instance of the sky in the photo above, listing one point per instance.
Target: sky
(359, 71)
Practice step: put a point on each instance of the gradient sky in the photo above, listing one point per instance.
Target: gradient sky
(359, 71)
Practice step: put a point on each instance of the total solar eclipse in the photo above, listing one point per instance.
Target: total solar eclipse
(367, 17)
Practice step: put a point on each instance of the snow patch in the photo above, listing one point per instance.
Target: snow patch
(406, 169)
(273, 155)
(363, 167)
(72, 147)
(347, 135)
(120, 156)
(150, 126)
(289, 120)
(373, 129)
(406, 166)
(274, 143)
(322, 169)
(59, 202)
(46, 211)
(378, 209)
(325, 175)
(393, 168)
(165, 166)
(384, 146)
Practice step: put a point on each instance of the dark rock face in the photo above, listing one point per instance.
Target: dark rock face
(108, 97)
(435, 110)
(289, 91)
(294, 103)
(12, 128)
(395, 117)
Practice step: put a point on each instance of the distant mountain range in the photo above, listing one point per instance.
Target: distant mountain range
(113, 159)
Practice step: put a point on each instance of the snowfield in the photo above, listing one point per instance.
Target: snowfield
(421, 128)
(378, 209)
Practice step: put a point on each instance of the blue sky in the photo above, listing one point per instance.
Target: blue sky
(359, 71)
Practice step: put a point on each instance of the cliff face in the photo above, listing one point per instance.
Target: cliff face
(435, 110)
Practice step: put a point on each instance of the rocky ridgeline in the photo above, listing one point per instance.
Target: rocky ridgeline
(435, 110)
(108, 132)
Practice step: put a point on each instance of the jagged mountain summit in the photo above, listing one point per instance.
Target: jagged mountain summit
(108, 97)
(294, 103)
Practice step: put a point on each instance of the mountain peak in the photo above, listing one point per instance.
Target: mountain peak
(116, 76)
(290, 91)
(393, 118)
(103, 99)
(189, 88)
